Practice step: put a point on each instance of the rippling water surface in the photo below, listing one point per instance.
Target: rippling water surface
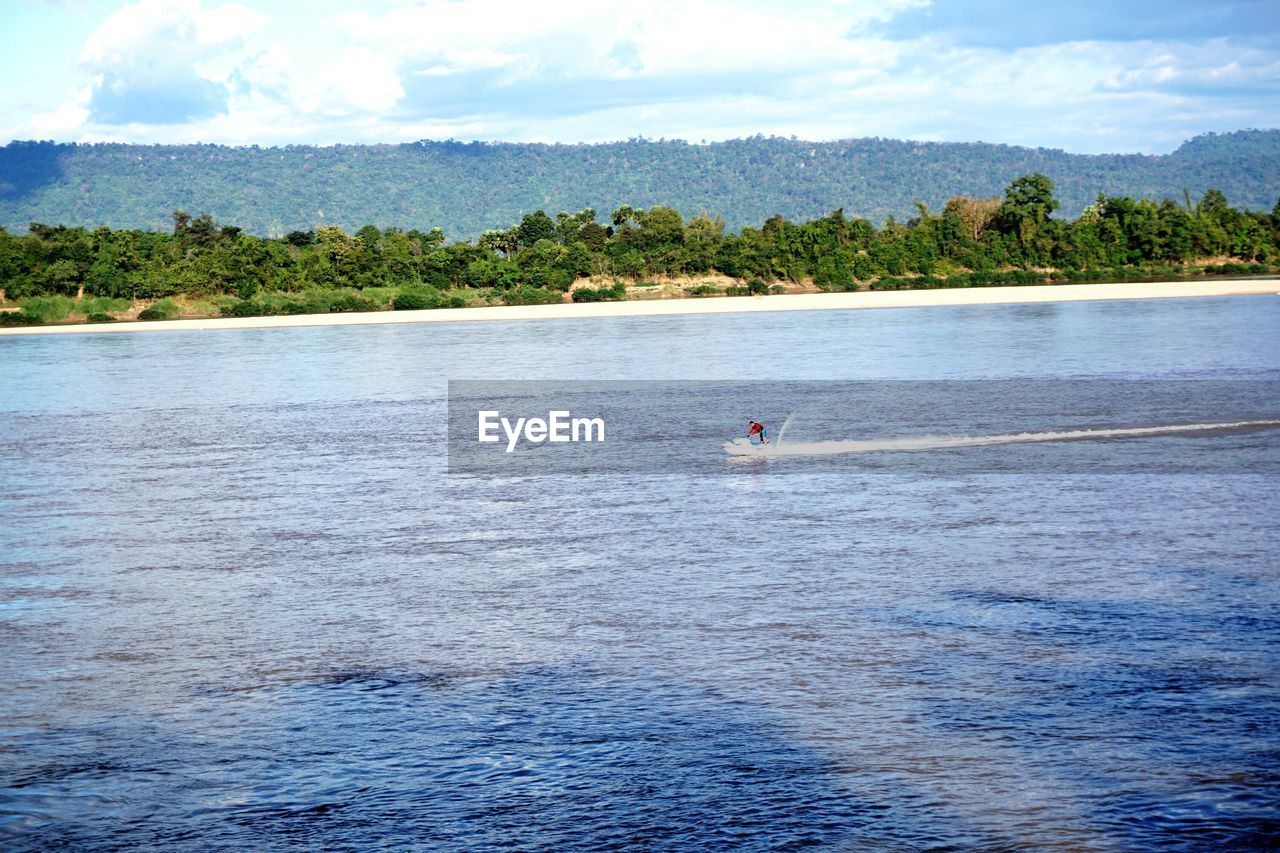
(242, 605)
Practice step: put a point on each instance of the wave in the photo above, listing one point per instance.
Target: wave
(932, 442)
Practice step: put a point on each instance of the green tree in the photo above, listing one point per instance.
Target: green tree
(534, 227)
(1027, 204)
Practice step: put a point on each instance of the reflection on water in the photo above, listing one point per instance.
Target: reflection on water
(241, 605)
(535, 758)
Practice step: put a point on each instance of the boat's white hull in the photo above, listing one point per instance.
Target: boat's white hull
(744, 447)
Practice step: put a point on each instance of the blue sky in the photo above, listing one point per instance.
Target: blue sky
(1128, 75)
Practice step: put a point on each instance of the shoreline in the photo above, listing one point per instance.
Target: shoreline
(1004, 295)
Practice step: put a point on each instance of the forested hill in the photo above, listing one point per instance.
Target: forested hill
(466, 188)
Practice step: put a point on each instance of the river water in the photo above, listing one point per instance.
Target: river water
(243, 604)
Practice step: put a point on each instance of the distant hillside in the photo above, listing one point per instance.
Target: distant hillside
(467, 188)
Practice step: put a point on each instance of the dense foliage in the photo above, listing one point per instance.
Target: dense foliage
(468, 188)
(971, 241)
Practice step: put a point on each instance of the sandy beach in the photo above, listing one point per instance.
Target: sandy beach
(711, 305)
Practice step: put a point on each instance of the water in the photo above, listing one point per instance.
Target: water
(242, 605)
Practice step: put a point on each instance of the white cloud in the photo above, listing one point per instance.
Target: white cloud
(64, 122)
(159, 62)
(140, 31)
(578, 38)
(586, 71)
(356, 80)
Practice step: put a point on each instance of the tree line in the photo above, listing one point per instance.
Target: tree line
(540, 257)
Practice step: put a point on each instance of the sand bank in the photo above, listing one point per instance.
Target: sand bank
(708, 305)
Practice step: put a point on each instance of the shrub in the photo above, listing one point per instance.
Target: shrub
(600, 294)
(382, 296)
(99, 317)
(164, 309)
(19, 318)
(49, 309)
(102, 305)
(1093, 275)
(704, 290)
(887, 283)
(1234, 268)
(20, 287)
(437, 279)
(526, 295)
(165, 284)
(412, 301)
(926, 282)
(316, 302)
(313, 305)
(944, 267)
(863, 267)
(168, 306)
(350, 302)
(757, 287)
(418, 300)
(560, 279)
(735, 290)
(241, 308)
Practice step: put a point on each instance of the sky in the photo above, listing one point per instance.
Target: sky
(1121, 76)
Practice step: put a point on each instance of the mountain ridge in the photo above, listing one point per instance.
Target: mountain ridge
(468, 187)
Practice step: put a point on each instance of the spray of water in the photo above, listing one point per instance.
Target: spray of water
(783, 432)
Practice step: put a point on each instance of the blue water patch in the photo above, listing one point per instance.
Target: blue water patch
(561, 760)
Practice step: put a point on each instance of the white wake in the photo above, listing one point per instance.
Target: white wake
(932, 442)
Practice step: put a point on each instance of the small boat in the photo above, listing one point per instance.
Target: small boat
(745, 447)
